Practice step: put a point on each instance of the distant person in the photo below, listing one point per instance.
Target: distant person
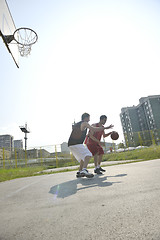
(94, 144)
(75, 143)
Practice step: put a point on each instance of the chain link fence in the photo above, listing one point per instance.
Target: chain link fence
(49, 156)
(53, 156)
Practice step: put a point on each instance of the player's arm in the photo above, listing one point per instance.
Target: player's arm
(85, 125)
(91, 135)
(110, 126)
(107, 134)
(93, 138)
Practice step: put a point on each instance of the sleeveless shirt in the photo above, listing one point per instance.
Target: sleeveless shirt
(77, 136)
(97, 135)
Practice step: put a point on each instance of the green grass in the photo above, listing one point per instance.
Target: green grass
(141, 154)
(8, 174)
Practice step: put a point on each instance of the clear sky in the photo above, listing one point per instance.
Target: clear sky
(93, 56)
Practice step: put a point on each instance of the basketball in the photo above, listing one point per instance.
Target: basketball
(114, 135)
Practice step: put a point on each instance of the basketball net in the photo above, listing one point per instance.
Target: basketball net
(24, 50)
(25, 38)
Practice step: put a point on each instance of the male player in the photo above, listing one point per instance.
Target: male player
(75, 143)
(93, 142)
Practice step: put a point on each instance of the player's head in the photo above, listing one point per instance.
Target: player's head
(85, 117)
(103, 119)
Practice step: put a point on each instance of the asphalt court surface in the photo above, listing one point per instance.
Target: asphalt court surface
(123, 203)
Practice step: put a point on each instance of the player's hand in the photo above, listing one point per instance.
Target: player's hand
(110, 126)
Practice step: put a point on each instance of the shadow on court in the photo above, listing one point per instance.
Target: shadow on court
(69, 188)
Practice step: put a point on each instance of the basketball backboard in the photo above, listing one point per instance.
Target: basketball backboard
(7, 27)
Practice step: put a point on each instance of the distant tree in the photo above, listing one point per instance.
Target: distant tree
(121, 145)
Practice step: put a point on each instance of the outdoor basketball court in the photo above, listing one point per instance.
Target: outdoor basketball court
(122, 204)
(18, 41)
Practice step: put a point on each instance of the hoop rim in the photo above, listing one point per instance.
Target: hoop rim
(25, 28)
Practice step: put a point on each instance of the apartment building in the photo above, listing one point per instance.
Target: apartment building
(6, 141)
(141, 123)
(18, 144)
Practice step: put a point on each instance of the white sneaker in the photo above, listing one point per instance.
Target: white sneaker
(86, 173)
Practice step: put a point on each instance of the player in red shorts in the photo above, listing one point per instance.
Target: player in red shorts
(94, 144)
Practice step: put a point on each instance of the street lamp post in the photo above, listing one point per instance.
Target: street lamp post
(25, 130)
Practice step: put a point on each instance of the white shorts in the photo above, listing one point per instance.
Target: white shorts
(80, 151)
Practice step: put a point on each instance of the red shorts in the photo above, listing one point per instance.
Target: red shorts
(95, 149)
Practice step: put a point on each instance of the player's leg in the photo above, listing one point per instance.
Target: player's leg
(93, 148)
(76, 150)
(99, 163)
(83, 155)
(78, 174)
(96, 169)
(81, 165)
(99, 160)
(100, 156)
(86, 161)
(84, 170)
(95, 160)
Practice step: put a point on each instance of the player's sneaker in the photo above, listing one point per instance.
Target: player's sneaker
(98, 171)
(86, 173)
(79, 174)
(101, 169)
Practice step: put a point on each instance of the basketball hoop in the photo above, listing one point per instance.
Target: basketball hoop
(25, 38)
